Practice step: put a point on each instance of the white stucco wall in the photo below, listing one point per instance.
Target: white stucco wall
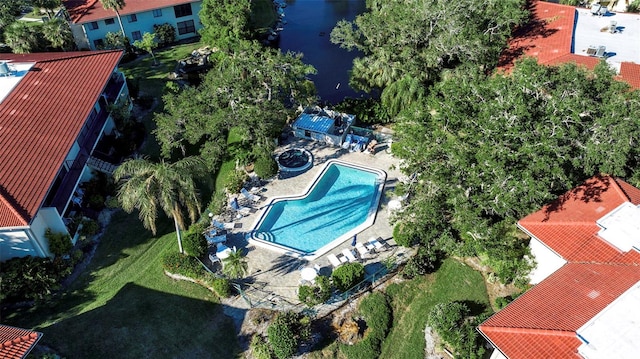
(15, 242)
(547, 261)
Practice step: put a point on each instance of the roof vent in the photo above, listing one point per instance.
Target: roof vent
(4, 69)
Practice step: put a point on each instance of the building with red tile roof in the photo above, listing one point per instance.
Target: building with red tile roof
(588, 276)
(558, 34)
(90, 22)
(16, 343)
(53, 112)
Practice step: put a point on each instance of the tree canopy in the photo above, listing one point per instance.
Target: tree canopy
(486, 151)
(225, 22)
(419, 38)
(252, 88)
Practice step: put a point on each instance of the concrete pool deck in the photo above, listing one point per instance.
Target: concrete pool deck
(276, 276)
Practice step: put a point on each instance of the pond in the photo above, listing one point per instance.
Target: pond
(308, 29)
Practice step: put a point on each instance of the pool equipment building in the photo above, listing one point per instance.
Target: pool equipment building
(324, 125)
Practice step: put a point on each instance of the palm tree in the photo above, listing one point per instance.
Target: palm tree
(58, 33)
(115, 5)
(149, 186)
(235, 265)
(21, 37)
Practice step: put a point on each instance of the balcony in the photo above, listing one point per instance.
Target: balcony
(65, 184)
(114, 87)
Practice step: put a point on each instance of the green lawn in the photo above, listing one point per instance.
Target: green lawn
(123, 306)
(412, 300)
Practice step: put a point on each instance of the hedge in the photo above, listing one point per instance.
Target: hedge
(376, 312)
(348, 275)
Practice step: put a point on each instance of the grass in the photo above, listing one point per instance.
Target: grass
(412, 300)
(123, 306)
(152, 80)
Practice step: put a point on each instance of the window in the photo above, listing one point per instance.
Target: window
(132, 18)
(136, 35)
(93, 25)
(98, 43)
(157, 12)
(186, 27)
(182, 10)
(109, 21)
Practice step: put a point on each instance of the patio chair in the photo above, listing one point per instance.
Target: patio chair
(250, 196)
(241, 211)
(333, 260)
(349, 255)
(228, 226)
(213, 258)
(212, 238)
(362, 250)
(375, 242)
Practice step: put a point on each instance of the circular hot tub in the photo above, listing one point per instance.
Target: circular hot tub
(295, 160)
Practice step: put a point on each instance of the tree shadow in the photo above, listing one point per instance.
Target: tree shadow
(475, 308)
(285, 264)
(589, 191)
(141, 322)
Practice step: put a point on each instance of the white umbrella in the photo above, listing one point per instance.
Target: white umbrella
(308, 274)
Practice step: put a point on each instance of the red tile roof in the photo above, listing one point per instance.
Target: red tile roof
(542, 323)
(39, 122)
(16, 343)
(548, 37)
(568, 225)
(83, 11)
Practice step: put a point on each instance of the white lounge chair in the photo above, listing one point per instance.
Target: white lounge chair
(375, 242)
(228, 226)
(241, 211)
(362, 250)
(335, 262)
(250, 196)
(348, 253)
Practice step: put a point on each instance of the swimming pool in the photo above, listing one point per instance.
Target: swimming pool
(341, 202)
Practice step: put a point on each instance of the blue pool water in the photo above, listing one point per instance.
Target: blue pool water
(340, 200)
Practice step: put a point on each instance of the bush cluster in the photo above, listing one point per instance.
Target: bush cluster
(348, 275)
(265, 166)
(235, 180)
(285, 333)
(426, 261)
(376, 312)
(31, 278)
(260, 348)
(193, 242)
(188, 266)
(89, 228)
(59, 243)
(450, 322)
(165, 33)
(315, 294)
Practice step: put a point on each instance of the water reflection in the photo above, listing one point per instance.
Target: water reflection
(309, 24)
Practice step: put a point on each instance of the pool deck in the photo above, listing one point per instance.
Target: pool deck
(276, 276)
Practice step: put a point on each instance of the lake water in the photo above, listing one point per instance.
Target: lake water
(308, 29)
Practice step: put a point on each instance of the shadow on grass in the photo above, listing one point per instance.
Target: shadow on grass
(140, 322)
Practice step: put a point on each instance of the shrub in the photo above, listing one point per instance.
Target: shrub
(448, 320)
(426, 260)
(634, 6)
(218, 202)
(348, 275)
(89, 227)
(265, 166)
(402, 236)
(193, 242)
(30, 278)
(282, 335)
(316, 294)
(376, 312)
(59, 243)
(165, 33)
(178, 263)
(260, 347)
(235, 180)
(222, 287)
